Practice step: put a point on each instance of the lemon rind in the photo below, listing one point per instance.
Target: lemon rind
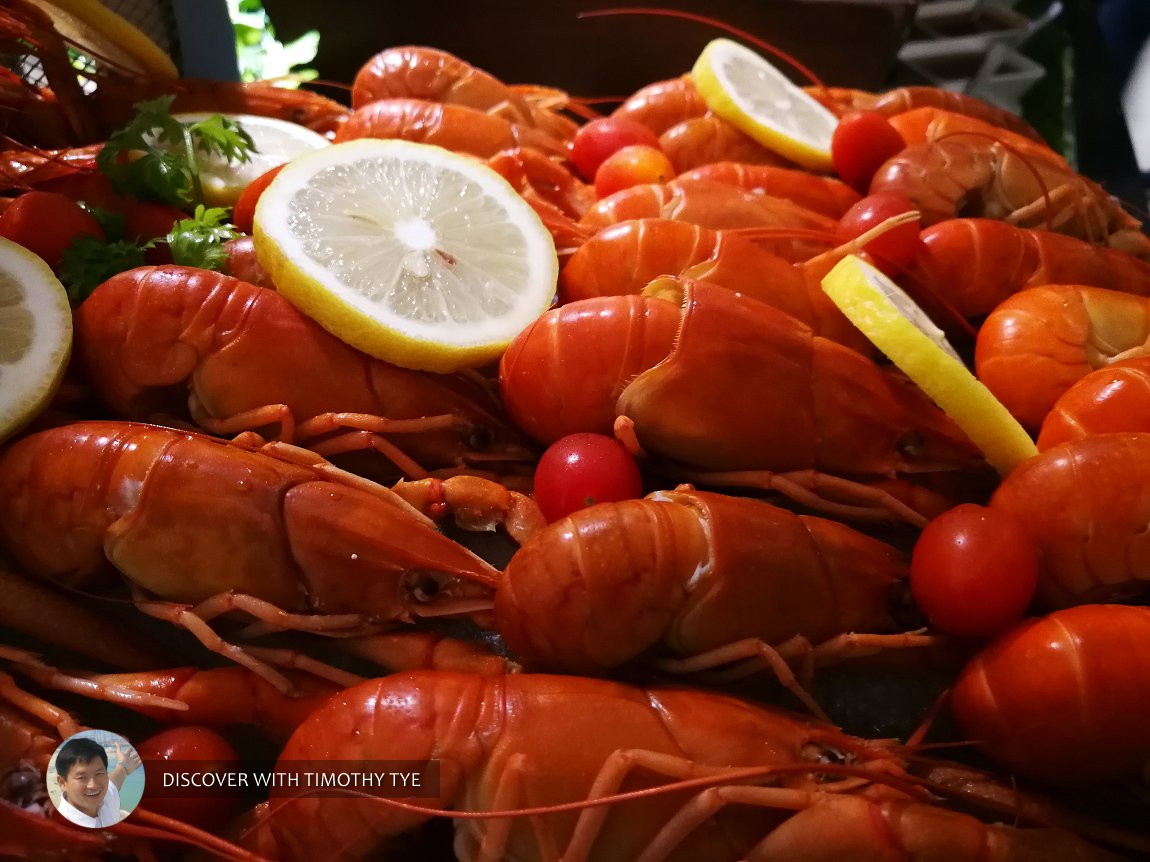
(946, 380)
(29, 390)
(719, 100)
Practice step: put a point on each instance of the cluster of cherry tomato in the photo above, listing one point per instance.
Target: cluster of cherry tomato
(616, 153)
(47, 221)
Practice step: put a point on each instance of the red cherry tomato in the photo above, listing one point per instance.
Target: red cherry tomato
(898, 246)
(974, 570)
(598, 139)
(580, 470)
(91, 187)
(243, 215)
(861, 142)
(199, 750)
(145, 221)
(632, 166)
(46, 223)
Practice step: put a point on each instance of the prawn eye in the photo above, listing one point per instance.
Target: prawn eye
(816, 753)
(423, 586)
(911, 444)
(480, 438)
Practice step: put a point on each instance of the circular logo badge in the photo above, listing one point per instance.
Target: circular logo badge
(95, 778)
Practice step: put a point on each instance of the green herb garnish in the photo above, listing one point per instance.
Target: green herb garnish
(111, 223)
(199, 240)
(88, 262)
(154, 156)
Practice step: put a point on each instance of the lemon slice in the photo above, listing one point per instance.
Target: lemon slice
(412, 253)
(99, 32)
(276, 142)
(35, 336)
(902, 331)
(751, 94)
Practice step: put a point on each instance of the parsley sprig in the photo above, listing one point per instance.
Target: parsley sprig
(89, 261)
(154, 156)
(197, 241)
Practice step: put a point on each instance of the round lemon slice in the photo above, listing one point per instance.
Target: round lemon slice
(276, 142)
(747, 91)
(411, 253)
(35, 336)
(902, 331)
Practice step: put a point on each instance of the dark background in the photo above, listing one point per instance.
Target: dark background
(845, 42)
(848, 42)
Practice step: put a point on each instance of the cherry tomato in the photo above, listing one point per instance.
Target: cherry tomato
(145, 221)
(632, 166)
(46, 223)
(598, 139)
(243, 215)
(898, 246)
(580, 470)
(92, 187)
(974, 570)
(200, 750)
(861, 142)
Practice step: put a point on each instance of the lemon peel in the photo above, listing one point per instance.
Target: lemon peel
(904, 333)
(409, 252)
(747, 91)
(35, 336)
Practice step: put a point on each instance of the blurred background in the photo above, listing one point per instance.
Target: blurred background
(1077, 70)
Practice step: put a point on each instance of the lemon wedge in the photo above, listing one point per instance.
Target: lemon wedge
(902, 331)
(99, 32)
(747, 91)
(276, 142)
(414, 254)
(35, 336)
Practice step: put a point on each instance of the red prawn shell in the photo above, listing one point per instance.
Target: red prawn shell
(1113, 398)
(1086, 502)
(1061, 699)
(749, 387)
(564, 372)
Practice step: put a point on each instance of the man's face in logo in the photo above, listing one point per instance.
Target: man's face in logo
(85, 785)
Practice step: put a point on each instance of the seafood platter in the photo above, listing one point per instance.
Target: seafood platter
(747, 469)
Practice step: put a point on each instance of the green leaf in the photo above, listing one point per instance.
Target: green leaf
(88, 262)
(113, 224)
(199, 241)
(227, 138)
(153, 157)
(261, 55)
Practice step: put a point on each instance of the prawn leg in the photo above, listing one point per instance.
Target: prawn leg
(477, 504)
(818, 491)
(754, 653)
(29, 704)
(50, 677)
(616, 768)
(344, 432)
